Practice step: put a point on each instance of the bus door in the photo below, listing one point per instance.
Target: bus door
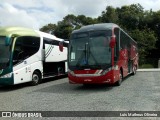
(21, 66)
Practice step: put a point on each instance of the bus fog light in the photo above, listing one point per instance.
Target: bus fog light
(106, 71)
(71, 72)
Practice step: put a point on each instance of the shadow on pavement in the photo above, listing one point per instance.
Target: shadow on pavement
(8, 88)
(63, 87)
(66, 88)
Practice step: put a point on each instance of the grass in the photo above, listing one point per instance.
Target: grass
(146, 66)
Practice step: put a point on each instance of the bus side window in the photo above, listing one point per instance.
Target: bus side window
(25, 47)
(31, 45)
(116, 49)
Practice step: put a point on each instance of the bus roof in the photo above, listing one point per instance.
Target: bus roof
(20, 31)
(101, 26)
(46, 35)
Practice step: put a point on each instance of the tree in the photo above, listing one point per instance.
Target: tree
(83, 20)
(63, 30)
(131, 16)
(69, 23)
(49, 28)
(109, 15)
(146, 40)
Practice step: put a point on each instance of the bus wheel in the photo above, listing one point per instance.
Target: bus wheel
(86, 85)
(120, 79)
(36, 78)
(133, 70)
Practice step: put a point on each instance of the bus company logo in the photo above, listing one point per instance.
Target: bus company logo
(6, 114)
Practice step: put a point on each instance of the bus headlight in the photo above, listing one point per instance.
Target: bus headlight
(71, 72)
(105, 71)
(7, 75)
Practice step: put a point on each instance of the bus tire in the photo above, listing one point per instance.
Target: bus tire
(36, 78)
(133, 70)
(86, 85)
(118, 83)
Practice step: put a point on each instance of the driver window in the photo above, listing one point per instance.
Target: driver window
(25, 47)
(18, 51)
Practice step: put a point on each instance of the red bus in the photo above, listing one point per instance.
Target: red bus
(101, 53)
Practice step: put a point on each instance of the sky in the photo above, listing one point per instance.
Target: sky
(37, 13)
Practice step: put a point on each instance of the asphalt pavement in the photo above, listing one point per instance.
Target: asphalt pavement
(140, 92)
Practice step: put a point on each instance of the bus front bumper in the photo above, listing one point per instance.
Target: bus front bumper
(91, 80)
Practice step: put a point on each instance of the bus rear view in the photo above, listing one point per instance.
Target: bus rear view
(94, 55)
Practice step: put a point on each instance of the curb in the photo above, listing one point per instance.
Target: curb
(149, 70)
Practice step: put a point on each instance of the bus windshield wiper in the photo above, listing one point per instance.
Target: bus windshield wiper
(84, 56)
(93, 56)
(80, 58)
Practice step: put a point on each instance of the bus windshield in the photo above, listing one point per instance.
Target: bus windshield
(4, 53)
(90, 50)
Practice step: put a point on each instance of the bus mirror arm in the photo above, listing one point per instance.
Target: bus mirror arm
(112, 42)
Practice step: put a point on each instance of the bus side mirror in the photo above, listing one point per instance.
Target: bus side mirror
(7, 41)
(61, 46)
(112, 42)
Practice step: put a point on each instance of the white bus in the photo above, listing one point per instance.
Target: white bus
(28, 55)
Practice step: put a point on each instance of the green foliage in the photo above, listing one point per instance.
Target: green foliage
(48, 28)
(110, 15)
(146, 66)
(63, 30)
(146, 40)
(130, 16)
(69, 23)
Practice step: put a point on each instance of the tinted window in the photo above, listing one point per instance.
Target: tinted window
(4, 53)
(116, 54)
(125, 40)
(90, 49)
(25, 47)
